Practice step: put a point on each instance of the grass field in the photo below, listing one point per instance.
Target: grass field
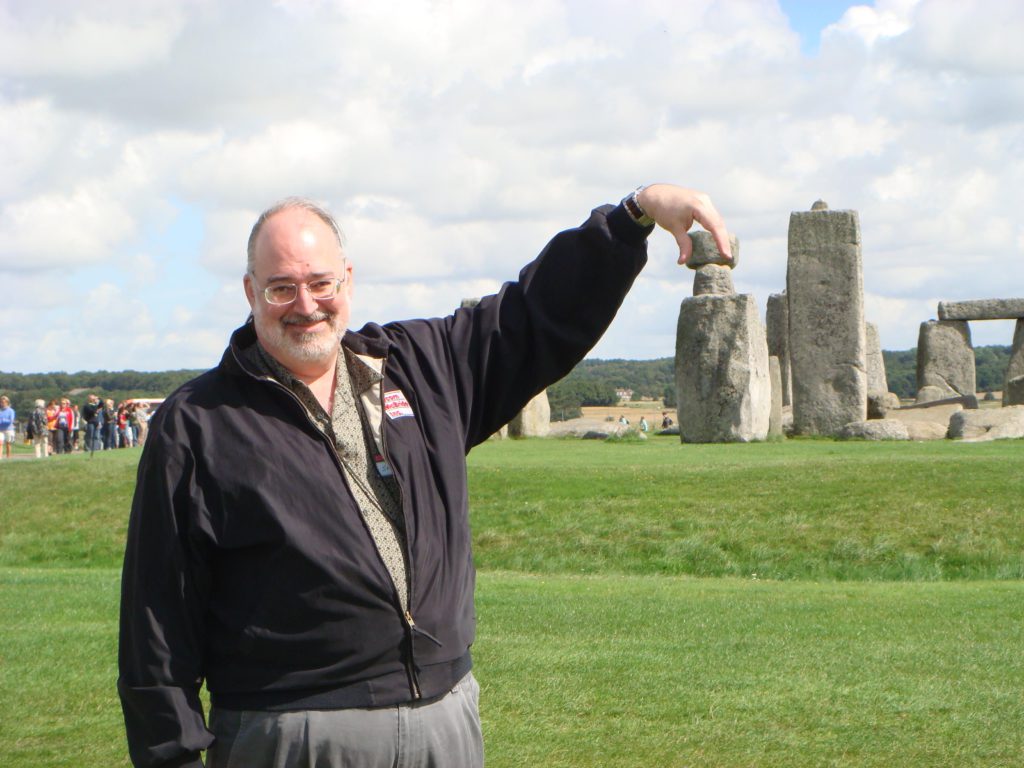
(808, 603)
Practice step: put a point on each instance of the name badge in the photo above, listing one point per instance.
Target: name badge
(395, 405)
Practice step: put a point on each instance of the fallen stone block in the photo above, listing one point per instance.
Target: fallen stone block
(988, 424)
(880, 429)
(926, 430)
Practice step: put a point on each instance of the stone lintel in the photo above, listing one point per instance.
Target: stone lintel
(982, 309)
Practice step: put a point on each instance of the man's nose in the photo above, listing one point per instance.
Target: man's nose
(304, 302)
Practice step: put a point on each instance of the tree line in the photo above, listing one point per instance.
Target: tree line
(592, 382)
(25, 388)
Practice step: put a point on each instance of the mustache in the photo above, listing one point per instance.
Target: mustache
(313, 317)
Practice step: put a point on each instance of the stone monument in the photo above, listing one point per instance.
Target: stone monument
(945, 361)
(722, 378)
(1013, 389)
(777, 323)
(825, 288)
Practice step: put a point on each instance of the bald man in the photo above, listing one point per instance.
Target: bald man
(299, 538)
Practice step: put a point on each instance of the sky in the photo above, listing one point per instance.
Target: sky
(140, 139)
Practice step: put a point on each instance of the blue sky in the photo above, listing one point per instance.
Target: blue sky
(139, 141)
(809, 17)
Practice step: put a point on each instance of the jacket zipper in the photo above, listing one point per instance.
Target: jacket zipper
(410, 622)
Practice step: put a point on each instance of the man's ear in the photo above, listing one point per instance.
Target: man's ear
(250, 290)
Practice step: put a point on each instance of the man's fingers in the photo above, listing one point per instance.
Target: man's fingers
(711, 220)
(685, 247)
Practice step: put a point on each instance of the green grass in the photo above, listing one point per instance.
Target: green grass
(621, 622)
(620, 671)
(798, 510)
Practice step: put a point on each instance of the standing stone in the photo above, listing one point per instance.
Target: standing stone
(534, 420)
(825, 285)
(777, 322)
(945, 360)
(713, 279)
(722, 383)
(877, 382)
(1013, 388)
(775, 414)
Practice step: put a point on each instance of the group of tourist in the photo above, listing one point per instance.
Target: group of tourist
(57, 427)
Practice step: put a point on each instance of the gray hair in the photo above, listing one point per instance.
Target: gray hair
(283, 205)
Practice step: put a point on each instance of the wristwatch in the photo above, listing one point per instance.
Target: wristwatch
(635, 210)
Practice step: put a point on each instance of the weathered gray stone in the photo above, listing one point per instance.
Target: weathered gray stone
(825, 286)
(819, 205)
(926, 430)
(967, 401)
(777, 324)
(982, 309)
(880, 404)
(945, 359)
(713, 280)
(775, 414)
(932, 394)
(534, 420)
(722, 383)
(1013, 392)
(706, 252)
(988, 423)
(882, 429)
(873, 360)
(1013, 388)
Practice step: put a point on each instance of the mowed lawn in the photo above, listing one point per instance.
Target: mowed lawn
(809, 603)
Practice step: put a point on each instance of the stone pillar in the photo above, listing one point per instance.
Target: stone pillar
(825, 286)
(534, 420)
(722, 382)
(777, 322)
(724, 394)
(1013, 389)
(878, 383)
(945, 361)
(775, 414)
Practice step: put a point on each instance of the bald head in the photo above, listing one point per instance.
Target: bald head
(289, 203)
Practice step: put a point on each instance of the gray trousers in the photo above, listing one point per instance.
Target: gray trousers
(443, 733)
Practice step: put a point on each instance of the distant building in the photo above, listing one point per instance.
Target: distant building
(624, 395)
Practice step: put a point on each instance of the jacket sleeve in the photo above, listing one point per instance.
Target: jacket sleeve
(536, 329)
(164, 589)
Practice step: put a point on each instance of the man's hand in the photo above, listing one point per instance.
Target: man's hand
(675, 209)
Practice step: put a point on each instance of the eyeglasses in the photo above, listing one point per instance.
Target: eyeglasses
(323, 289)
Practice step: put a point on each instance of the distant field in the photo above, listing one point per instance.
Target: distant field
(808, 603)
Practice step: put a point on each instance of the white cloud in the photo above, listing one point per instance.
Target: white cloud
(79, 43)
(139, 140)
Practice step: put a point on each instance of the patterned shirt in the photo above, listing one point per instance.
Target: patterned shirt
(376, 494)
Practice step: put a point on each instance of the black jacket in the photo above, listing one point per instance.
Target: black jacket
(248, 563)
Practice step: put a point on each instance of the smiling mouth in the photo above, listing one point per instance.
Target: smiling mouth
(306, 322)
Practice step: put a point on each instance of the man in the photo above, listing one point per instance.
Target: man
(299, 537)
(92, 415)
